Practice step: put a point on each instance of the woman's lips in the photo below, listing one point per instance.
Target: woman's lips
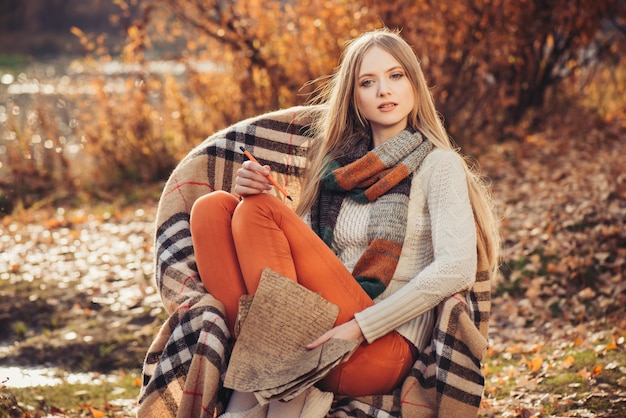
(387, 106)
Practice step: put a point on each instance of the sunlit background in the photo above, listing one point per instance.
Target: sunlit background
(100, 99)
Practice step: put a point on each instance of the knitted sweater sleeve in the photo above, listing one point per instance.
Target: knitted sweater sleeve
(454, 259)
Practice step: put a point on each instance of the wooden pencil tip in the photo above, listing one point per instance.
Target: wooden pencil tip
(242, 148)
(289, 197)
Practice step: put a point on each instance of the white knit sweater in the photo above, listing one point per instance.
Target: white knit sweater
(438, 256)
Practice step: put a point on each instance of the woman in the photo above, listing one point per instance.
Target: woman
(386, 227)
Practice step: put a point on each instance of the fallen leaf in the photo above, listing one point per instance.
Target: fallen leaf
(56, 411)
(587, 293)
(486, 369)
(568, 362)
(611, 346)
(596, 370)
(535, 364)
(97, 413)
(514, 349)
(584, 373)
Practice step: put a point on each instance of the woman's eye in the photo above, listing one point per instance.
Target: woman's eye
(366, 83)
(397, 75)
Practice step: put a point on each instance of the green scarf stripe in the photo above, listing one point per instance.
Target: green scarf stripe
(373, 287)
(379, 261)
(328, 235)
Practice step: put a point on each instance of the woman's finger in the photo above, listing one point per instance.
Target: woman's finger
(347, 331)
(320, 340)
(251, 180)
(255, 167)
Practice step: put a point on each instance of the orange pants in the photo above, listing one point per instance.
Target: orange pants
(235, 240)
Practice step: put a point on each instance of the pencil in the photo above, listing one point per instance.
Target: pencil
(270, 178)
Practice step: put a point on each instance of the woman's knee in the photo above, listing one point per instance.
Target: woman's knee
(212, 206)
(262, 203)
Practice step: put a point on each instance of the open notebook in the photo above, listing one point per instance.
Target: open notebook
(270, 358)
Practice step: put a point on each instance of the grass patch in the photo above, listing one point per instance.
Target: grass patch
(567, 380)
(13, 62)
(562, 383)
(77, 398)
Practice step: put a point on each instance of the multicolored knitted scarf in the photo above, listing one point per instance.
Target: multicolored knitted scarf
(383, 176)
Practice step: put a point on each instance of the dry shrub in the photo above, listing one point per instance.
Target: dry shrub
(492, 65)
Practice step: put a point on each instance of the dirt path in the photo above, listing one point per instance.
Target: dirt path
(77, 288)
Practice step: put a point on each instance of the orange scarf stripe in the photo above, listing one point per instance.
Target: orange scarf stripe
(349, 177)
(386, 183)
(379, 260)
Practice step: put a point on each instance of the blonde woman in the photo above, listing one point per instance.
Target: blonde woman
(387, 226)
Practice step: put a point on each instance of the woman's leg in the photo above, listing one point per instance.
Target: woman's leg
(216, 259)
(269, 234)
(373, 369)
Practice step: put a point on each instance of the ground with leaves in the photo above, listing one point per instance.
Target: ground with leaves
(77, 290)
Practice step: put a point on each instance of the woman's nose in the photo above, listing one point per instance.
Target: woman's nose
(383, 89)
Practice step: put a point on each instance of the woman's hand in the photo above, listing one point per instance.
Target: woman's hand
(252, 179)
(347, 331)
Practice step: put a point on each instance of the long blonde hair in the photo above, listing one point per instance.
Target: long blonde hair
(337, 121)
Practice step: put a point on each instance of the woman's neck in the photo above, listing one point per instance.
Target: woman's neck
(382, 135)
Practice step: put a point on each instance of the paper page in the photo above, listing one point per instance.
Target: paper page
(282, 319)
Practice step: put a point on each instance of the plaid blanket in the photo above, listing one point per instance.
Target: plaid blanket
(186, 362)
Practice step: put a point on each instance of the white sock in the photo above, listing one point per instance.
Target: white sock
(241, 401)
(292, 408)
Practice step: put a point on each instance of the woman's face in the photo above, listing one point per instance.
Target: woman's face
(384, 94)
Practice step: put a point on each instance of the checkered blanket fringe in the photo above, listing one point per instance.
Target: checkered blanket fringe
(185, 364)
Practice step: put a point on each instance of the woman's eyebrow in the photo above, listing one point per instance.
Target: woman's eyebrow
(394, 68)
